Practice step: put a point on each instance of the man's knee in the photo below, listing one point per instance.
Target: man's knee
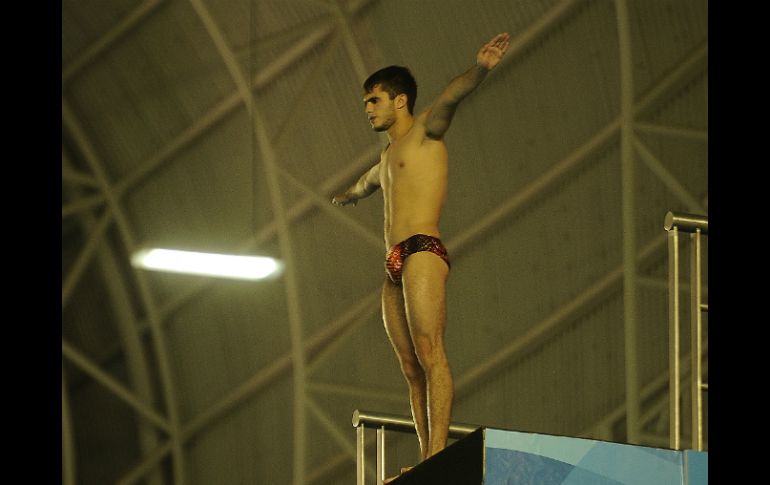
(412, 370)
(429, 350)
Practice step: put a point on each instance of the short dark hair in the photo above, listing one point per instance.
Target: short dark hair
(394, 80)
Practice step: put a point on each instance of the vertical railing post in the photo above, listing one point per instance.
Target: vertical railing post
(695, 340)
(380, 455)
(360, 456)
(673, 338)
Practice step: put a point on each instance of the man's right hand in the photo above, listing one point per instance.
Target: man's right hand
(344, 199)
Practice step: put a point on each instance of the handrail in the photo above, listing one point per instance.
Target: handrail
(404, 424)
(382, 422)
(686, 222)
(697, 226)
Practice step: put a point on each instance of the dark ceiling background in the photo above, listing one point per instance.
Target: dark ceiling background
(226, 126)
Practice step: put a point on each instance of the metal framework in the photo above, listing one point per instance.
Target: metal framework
(309, 352)
(383, 422)
(695, 225)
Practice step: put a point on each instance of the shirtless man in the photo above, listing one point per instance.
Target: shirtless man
(412, 173)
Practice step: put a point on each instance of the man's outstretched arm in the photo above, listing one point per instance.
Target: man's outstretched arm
(443, 109)
(365, 186)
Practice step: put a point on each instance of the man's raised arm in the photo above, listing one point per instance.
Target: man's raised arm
(366, 185)
(443, 109)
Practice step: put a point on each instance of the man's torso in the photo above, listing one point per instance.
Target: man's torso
(413, 177)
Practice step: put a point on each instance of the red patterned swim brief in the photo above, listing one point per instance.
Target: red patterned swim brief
(394, 259)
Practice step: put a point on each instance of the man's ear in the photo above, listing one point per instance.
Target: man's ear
(400, 101)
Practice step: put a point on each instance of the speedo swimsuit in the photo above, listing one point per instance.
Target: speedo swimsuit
(395, 257)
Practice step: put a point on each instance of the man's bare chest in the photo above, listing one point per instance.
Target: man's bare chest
(411, 160)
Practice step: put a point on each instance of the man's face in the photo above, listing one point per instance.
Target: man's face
(380, 109)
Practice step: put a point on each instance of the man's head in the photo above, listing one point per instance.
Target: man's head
(394, 80)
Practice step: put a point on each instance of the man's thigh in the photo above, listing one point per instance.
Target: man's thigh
(424, 287)
(394, 318)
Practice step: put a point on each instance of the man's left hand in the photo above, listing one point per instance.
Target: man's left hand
(492, 52)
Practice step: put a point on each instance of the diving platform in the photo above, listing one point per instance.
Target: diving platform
(489, 456)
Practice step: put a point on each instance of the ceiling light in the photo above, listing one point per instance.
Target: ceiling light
(207, 264)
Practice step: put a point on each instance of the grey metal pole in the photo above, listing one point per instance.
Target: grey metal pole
(380, 455)
(629, 220)
(673, 338)
(404, 424)
(695, 341)
(360, 456)
(686, 222)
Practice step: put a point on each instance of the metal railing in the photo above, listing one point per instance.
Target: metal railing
(696, 226)
(382, 422)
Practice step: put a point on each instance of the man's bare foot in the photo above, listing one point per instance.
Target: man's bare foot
(403, 470)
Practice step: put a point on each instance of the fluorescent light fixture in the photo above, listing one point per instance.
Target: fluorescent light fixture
(207, 264)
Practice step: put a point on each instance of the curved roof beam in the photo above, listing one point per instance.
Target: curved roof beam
(105, 42)
(167, 382)
(291, 286)
(126, 323)
(206, 122)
